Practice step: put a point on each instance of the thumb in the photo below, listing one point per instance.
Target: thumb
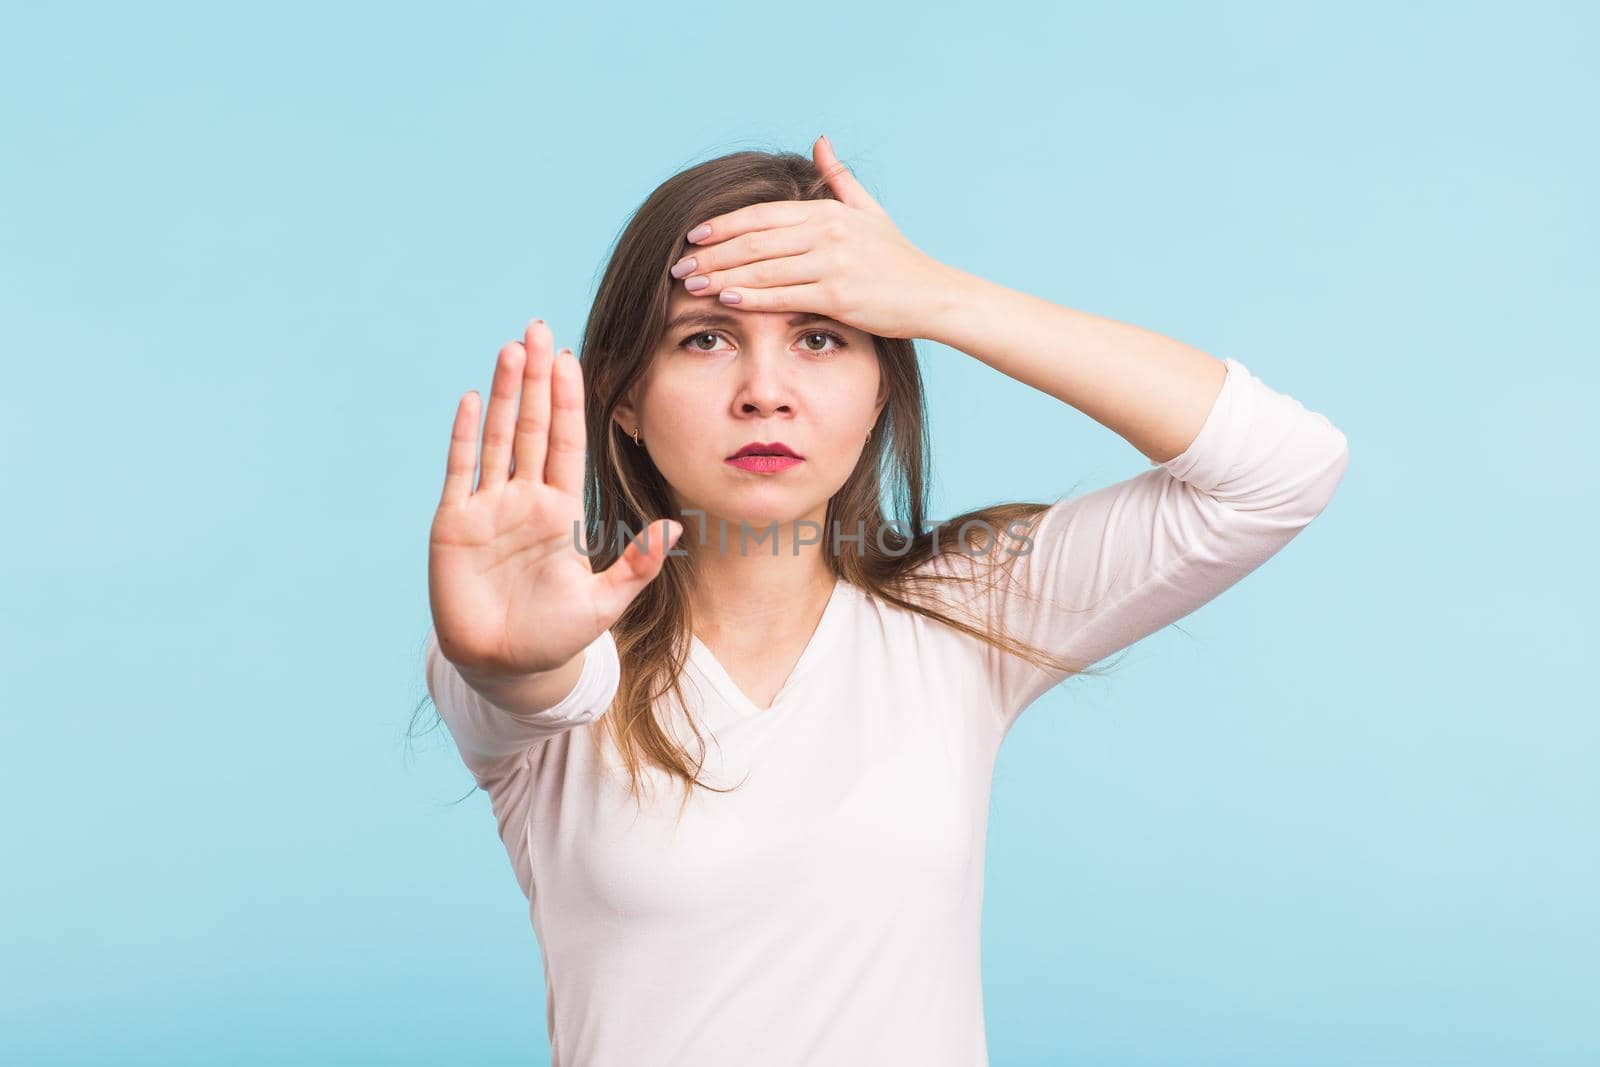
(840, 180)
(639, 563)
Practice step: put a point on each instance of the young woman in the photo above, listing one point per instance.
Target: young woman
(823, 674)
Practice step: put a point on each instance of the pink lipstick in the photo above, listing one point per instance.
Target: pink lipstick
(765, 457)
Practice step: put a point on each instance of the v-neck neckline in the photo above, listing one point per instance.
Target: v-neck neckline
(702, 655)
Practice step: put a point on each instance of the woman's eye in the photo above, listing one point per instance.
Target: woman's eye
(689, 342)
(839, 342)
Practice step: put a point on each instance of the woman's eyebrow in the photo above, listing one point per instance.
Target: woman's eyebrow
(708, 318)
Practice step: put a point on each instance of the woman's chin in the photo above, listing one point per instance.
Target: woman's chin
(759, 513)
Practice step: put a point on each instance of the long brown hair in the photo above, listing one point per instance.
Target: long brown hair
(885, 496)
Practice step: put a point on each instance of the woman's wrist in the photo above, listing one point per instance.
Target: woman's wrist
(956, 303)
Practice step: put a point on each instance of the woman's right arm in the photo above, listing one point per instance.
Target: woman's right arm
(490, 719)
(521, 646)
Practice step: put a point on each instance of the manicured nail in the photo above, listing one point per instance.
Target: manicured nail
(729, 296)
(683, 267)
(700, 232)
(694, 285)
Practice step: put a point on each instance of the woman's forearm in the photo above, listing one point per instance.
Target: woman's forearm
(1152, 390)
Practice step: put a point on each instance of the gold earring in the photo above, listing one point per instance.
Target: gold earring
(636, 437)
(869, 433)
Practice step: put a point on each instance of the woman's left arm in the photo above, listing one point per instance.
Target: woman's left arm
(1152, 390)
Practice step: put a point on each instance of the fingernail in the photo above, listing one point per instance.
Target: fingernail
(694, 285)
(700, 232)
(729, 296)
(683, 267)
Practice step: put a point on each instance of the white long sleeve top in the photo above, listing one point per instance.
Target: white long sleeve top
(827, 911)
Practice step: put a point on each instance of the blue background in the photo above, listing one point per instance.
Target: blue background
(1346, 813)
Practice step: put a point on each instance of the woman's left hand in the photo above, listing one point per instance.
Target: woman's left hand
(841, 258)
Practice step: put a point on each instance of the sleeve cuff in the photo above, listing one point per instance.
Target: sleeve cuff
(1204, 462)
(596, 685)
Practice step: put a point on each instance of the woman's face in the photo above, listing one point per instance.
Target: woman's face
(721, 378)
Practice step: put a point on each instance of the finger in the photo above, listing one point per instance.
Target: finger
(533, 414)
(564, 467)
(495, 465)
(766, 274)
(463, 456)
(762, 216)
(840, 179)
(640, 562)
(747, 248)
(810, 297)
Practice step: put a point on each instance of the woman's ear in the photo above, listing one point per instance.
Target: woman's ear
(624, 414)
(877, 408)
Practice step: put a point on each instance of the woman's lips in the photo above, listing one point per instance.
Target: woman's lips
(763, 464)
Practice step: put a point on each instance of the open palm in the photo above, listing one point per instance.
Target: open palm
(510, 590)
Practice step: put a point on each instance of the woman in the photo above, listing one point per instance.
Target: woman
(829, 699)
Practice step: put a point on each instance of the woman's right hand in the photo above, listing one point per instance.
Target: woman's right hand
(511, 592)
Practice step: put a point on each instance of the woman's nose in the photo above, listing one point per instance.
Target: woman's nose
(764, 382)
